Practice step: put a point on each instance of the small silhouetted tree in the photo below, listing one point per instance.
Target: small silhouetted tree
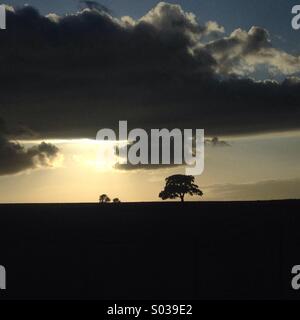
(116, 200)
(104, 198)
(178, 186)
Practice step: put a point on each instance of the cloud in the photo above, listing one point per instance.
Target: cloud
(138, 167)
(216, 142)
(120, 165)
(14, 158)
(82, 72)
(93, 5)
(242, 51)
(171, 19)
(213, 29)
(262, 190)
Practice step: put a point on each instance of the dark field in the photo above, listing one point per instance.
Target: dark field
(150, 250)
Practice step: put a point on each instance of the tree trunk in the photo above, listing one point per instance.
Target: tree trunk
(182, 198)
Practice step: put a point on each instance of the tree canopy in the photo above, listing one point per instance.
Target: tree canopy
(177, 186)
(104, 198)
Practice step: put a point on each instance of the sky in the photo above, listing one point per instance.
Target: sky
(69, 69)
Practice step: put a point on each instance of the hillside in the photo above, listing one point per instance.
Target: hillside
(150, 250)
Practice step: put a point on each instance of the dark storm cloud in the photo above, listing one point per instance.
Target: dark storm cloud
(70, 76)
(14, 158)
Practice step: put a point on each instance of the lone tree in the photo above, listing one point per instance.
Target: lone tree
(116, 200)
(178, 186)
(104, 198)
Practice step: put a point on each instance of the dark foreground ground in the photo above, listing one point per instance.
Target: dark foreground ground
(151, 250)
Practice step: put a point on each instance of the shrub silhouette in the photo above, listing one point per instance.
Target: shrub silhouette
(116, 200)
(177, 186)
(104, 198)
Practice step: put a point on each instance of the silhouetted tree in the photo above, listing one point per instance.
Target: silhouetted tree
(104, 198)
(116, 200)
(178, 186)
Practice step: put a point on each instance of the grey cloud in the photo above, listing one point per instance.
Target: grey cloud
(213, 142)
(71, 76)
(138, 167)
(216, 142)
(130, 167)
(242, 51)
(14, 158)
